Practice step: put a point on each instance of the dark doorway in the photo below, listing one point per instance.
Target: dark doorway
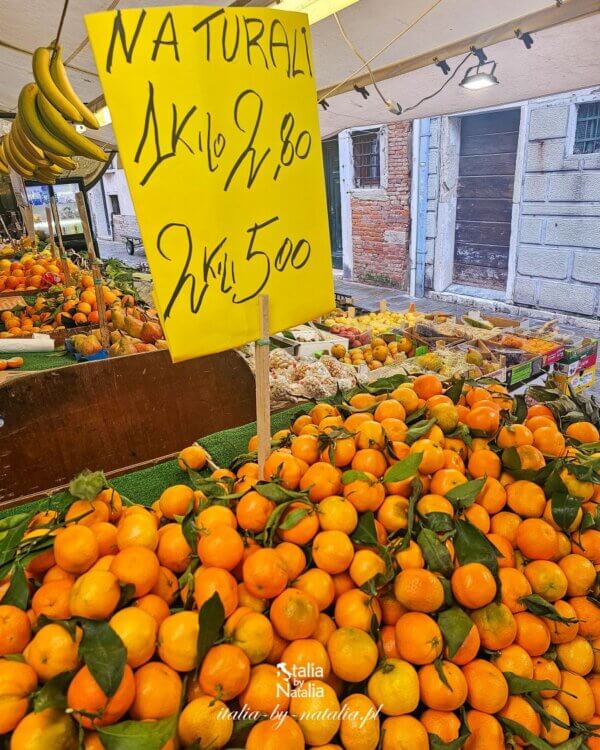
(488, 150)
(114, 204)
(331, 161)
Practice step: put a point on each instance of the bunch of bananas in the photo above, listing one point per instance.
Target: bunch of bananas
(41, 140)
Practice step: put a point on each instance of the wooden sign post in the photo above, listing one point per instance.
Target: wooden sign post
(50, 231)
(28, 219)
(8, 235)
(263, 392)
(101, 305)
(61, 247)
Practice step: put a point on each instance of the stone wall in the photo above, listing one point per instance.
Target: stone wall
(125, 226)
(380, 218)
(558, 256)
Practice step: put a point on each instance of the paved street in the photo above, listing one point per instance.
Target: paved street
(110, 249)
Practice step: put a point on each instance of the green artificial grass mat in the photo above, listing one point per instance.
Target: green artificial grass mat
(35, 361)
(146, 485)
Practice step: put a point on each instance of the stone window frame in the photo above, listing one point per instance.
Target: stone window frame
(376, 191)
(587, 161)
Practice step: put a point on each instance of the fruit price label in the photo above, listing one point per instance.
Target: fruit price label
(215, 117)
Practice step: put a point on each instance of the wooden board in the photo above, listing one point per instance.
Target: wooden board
(114, 413)
(484, 198)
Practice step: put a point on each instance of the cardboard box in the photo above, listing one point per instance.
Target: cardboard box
(579, 382)
(570, 368)
(581, 349)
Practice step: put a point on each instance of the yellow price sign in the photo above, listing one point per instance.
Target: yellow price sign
(215, 116)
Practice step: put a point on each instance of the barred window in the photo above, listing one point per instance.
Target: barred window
(365, 153)
(587, 130)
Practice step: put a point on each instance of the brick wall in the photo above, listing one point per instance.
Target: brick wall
(380, 218)
(558, 256)
(125, 226)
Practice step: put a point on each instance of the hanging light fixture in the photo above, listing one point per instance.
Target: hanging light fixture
(477, 78)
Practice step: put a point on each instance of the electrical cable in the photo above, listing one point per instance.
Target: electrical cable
(442, 87)
(381, 51)
(60, 27)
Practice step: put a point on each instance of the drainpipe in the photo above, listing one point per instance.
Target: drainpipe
(418, 206)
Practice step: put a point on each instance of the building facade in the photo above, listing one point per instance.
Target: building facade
(513, 204)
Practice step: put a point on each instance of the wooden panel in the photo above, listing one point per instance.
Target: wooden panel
(114, 413)
(500, 121)
(481, 255)
(486, 209)
(491, 164)
(483, 232)
(500, 143)
(484, 276)
(486, 187)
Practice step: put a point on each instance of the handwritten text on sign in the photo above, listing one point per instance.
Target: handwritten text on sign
(215, 116)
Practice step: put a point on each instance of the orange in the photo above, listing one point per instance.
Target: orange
(506, 524)
(353, 654)
(549, 518)
(371, 461)
(306, 447)
(426, 386)
(137, 530)
(304, 654)
(95, 595)
(418, 638)
(576, 696)
(106, 536)
(519, 710)
(15, 629)
(225, 671)
(166, 585)
(484, 463)
(294, 614)
(501, 543)
(514, 586)
(478, 516)
(393, 513)
(173, 551)
(433, 456)
(176, 500)
(17, 682)
(587, 543)
(154, 606)
(407, 397)
(207, 581)
(325, 627)
(394, 687)
(549, 441)
(546, 579)
(220, 547)
(483, 419)
(193, 457)
(137, 629)
(389, 409)
(516, 660)
(442, 696)
(395, 429)
(205, 721)
(215, 515)
(534, 423)
(365, 565)
(157, 692)
(355, 609)
(496, 625)
(52, 651)
(365, 494)
(321, 480)
(487, 687)
(283, 467)
(545, 669)
(271, 733)
(52, 600)
(584, 432)
(467, 650)
(265, 573)
(444, 724)
(532, 633)
(588, 615)
(305, 525)
(136, 565)
(84, 694)
(563, 632)
(580, 574)
(177, 641)
(576, 656)
(332, 551)
(526, 498)
(536, 539)
(555, 734)
(486, 732)
(419, 590)
(336, 513)
(252, 632)
(473, 585)
(530, 457)
(265, 691)
(86, 512)
(293, 557)
(446, 479)
(76, 549)
(434, 504)
(320, 411)
(351, 423)
(317, 711)
(48, 728)
(359, 727)
(513, 435)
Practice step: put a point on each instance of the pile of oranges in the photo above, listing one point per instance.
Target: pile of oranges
(410, 571)
(30, 273)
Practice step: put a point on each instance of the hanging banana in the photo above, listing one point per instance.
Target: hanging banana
(55, 123)
(59, 76)
(46, 84)
(62, 161)
(13, 161)
(34, 129)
